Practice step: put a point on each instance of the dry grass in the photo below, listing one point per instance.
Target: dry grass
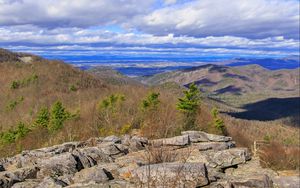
(280, 157)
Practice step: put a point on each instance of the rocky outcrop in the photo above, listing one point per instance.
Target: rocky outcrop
(194, 159)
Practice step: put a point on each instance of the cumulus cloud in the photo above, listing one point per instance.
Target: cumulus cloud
(70, 13)
(242, 18)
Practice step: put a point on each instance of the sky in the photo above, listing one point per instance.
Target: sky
(151, 28)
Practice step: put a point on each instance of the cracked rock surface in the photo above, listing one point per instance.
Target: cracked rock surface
(194, 159)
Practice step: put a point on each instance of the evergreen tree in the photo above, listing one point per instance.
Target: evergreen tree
(43, 118)
(57, 117)
(218, 122)
(188, 105)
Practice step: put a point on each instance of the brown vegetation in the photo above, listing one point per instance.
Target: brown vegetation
(82, 93)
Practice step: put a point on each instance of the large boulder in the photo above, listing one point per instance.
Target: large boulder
(229, 157)
(134, 143)
(113, 150)
(172, 175)
(59, 165)
(200, 136)
(9, 178)
(91, 156)
(174, 141)
(94, 174)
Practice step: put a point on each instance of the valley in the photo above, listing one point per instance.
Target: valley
(46, 102)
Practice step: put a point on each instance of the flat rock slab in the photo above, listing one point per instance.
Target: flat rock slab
(215, 146)
(200, 136)
(172, 175)
(174, 141)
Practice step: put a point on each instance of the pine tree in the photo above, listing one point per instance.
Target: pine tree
(188, 105)
(57, 117)
(42, 118)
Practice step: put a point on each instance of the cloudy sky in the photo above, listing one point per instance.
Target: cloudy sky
(156, 27)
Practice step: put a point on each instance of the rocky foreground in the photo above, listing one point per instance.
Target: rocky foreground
(194, 159)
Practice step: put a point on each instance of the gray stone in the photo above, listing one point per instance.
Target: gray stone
(59, 165)
(31, 183)
(262, 181)
(287, 181)
(91, 156)
(94, 174)
(109, 184)
(174, 141)
(113, 149)
(112, 138)
(229, 157)
(51, 182)
(2, 168)
(215, 146)
(200, 136)
(9, 178)
(134, 143)
(172, 175)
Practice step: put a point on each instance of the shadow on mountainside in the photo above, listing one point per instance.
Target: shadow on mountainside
(271, 109)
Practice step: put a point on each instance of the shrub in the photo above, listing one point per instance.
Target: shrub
(21, 130)
(12, 135)
(125, 129)
(188, 105)
(72, 88)
(13, 103)
(151, 102)
(16, 84)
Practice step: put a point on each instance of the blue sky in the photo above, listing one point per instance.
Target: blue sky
(179, 28)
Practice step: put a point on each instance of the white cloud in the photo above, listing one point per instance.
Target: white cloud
(70, 13)
(201, 18)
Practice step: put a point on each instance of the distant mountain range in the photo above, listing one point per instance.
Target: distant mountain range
(249, 83)
(290, 62)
